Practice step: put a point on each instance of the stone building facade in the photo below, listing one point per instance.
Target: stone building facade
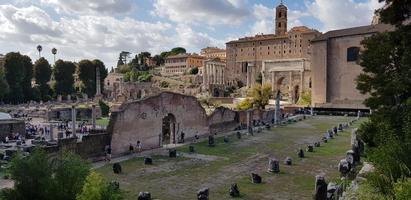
(181, 64)
(213, 77)
(335, 67)
(282, 59)
(213, 52)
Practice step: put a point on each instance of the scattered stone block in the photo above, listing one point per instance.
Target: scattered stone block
(144, 196)
(288, 161)
(117, 168)
(310, 148)
(148, 161)
(273, 165)
(255, 178)
(320, 192)
(344, 167)
(317, 144)
(234, 192)
(350, 157)
(172, 153)
(324, 139)
(301, 153)
(203, 194)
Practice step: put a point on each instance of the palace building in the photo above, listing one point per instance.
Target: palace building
(281, 59)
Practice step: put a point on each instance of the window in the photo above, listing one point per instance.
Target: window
(352, 54)
(279, 25)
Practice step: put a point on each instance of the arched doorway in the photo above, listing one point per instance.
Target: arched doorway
(216, 93)
(168, 135)
(279, 85)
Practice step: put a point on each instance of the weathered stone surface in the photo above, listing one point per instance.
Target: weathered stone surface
(273, 165)
(203, 194)
(255, 178)
(144, 196)
(117, 168)
(288, 161)
(234, 192)
(324, 139)
(148, 161)
(320, 192)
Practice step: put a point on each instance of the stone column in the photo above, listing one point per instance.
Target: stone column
(51, 132)
(93, 117)
(273, 84)
(290, 89)
(73, 120)
(249, 120)
(249, 75)
(302, 83)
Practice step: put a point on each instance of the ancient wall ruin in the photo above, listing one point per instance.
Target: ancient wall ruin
(162, 119)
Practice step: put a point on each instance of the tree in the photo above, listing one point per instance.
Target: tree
(105, 109)
(42, 74)
(39, 177)
(3, 84)
(103, 71)
(245, 104)
(194, 71)
(86, 71)
(87, 74)
(64, 75)
(69, 175)
(28, 76)
(14, 73)
(386, 78)
(305, 99)
(31, 175)
(177, 50)
(97, 188)
(260, 95)
(159, 60)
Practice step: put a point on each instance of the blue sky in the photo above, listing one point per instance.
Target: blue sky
(89, 29)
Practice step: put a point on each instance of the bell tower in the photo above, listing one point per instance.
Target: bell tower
(281, 19)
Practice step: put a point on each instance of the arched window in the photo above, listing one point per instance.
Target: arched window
(279, 14)
(352, 54)
(279, 25)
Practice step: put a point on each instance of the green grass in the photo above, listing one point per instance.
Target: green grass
(180, 178)
(102, 121)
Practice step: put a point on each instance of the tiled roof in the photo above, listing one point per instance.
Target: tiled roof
(361, 30)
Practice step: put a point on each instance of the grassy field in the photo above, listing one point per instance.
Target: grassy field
(102, 121)
(217, 167)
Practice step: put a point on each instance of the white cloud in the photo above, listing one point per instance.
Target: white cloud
(343, 13)
(88, 7)
(88, 37)
(211, 12)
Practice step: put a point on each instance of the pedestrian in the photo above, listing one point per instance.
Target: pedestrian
(131, 148)
(108, 153)
(139, 146)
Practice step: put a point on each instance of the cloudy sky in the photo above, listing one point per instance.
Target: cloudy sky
(102, 28)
